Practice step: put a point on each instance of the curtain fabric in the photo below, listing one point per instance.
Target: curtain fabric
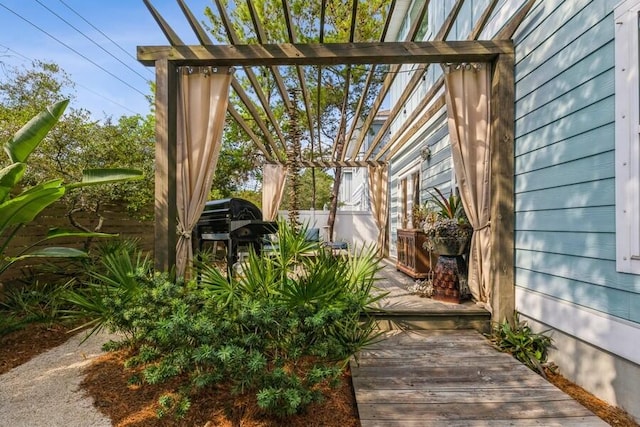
(378, 189)
(467, 91)
(273, 180)
(203, 95)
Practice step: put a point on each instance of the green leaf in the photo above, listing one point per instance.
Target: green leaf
(9, 178)
(31, 134)
(25, 207)
(54, 252)
(106, 176)
(56, 233)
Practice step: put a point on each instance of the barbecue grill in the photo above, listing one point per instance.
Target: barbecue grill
(235, 222)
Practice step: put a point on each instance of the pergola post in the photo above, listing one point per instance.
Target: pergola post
(502, 270)
(166, 160)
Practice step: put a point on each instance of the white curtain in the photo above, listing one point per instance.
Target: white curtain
(273, 180)
(203, 94)
(378, 189)
(467, 89)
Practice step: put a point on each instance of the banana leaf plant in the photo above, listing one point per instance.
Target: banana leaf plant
(19, 208)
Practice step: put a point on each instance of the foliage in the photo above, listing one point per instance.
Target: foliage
(448, 207)
(79, 142)
(323, 190)
(19, 207)
(522, 343)
(123, 268)
(38, 303)
(279, 330)
(446, 224)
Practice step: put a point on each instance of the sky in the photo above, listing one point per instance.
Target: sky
(109, 80)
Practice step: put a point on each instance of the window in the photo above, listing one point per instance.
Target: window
(627, 125)
(409, 196)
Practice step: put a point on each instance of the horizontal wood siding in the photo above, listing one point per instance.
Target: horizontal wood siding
(565, 172)
(116, 221)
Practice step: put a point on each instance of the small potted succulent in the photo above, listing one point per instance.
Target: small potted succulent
(448, 230)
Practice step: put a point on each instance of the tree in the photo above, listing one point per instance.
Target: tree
(79, 142)
(19, 207)
(335, 101)
(323, 190)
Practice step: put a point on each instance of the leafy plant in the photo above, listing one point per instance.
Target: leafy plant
(522, 343)
(447, 227)
(124, 270)
(20, 207)
(448, 207)
(279, 330)
(37, 303)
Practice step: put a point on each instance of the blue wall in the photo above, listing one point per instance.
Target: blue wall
(565, 188)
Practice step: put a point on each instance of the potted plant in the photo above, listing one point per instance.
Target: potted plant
(448, 234)
(447, 227)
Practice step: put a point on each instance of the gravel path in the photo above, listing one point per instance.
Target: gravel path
(45, 391)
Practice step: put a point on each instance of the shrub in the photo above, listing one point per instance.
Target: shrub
(281, 329)
(522, 343)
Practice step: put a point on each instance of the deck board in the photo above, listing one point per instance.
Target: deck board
(455, 378)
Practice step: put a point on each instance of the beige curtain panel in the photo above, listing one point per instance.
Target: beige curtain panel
(378, 190)
(203, 94)
(467, 89)
(273, 180)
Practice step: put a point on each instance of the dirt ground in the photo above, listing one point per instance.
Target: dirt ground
(127, 405)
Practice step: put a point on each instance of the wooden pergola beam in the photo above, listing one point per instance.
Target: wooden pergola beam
(388, 80)
(418, 117)
(234, 39)
(367, 83)
(339, 163)
(301, 75)
(418, 75)
(502, 240)
(327, 54)
(239, 90)
(251, 134)
(165, 208)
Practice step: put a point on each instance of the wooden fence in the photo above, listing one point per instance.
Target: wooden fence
(116, 220)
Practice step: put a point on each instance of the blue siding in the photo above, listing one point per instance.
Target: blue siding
(564, 147)
(565, 171)
(589, 245)
(607, 300)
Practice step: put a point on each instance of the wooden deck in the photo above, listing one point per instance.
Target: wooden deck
(401, 309)
(455, 378)
(434, 368)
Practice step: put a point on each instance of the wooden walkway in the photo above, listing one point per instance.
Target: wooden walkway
(455, 378)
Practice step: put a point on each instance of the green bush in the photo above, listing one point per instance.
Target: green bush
(522, 343)
(280, 329)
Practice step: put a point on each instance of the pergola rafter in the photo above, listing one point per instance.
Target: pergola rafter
(419, 117)
(416, 78)
(497, 52)
(368, 82)
(234, 39)
(389, 79)
(301, 74)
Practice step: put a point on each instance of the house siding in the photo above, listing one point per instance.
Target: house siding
(565, 172)
(565, 242)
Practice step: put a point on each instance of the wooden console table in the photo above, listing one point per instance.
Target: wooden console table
(413, 259)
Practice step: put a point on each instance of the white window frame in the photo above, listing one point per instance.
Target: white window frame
(407, 175)
(627, 140)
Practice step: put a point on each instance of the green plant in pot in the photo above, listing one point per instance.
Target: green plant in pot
(447, 227)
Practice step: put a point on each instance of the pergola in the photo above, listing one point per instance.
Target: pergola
(498, 52)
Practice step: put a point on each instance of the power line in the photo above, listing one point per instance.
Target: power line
(72, 49)
(91, 40)
(77, 84)
(105, 36)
